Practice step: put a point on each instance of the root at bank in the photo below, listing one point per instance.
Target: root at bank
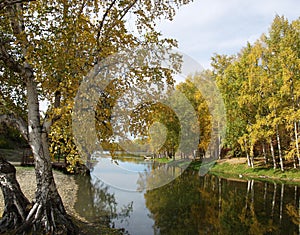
(47, 213)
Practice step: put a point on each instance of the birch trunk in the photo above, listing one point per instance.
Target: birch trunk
(252, 156)
(279, 149)
(48, 213)
(247, 154)
(16, 204)
(296, 142)
(273, 154)
(264, 153)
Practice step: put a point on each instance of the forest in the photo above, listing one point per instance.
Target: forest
(260, 87)
(49, 49)
(260, 90)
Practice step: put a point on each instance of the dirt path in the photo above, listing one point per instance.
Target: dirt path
(233, 161)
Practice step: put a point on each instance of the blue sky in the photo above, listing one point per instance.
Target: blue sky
(203, 28)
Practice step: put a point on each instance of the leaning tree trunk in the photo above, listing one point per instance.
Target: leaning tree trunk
(16, 204)
(48, 213)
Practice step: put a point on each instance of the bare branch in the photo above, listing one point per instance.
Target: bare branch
(103, 18)
(16, 122)
(125, 11)
(48, 122)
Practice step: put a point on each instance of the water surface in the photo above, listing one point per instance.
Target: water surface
(190, 204)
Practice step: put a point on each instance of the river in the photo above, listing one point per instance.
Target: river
(190, 204)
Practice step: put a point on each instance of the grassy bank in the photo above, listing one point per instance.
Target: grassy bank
(163, 160)
(237, 168)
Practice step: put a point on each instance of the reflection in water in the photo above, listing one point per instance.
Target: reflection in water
(96, 204)
(190, 204)
(136, 174)
(211, 205)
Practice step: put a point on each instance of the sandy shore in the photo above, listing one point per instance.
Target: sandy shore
(66, 186)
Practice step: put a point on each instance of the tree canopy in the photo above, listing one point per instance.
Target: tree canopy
(260, 87)
(46, 49)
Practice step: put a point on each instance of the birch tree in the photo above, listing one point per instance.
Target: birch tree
(46, 48)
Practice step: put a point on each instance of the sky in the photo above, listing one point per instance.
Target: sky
(203, 27)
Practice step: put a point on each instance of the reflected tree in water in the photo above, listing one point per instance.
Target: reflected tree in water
(211, 205)
(96, 204)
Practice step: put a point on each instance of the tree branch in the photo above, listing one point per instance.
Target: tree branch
(6, 3)
(125, 11)
(24, 70)
(103, 19)
(122, 14)
(17, 122)
(8, 59)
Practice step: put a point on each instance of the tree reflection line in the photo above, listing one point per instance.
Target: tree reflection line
(224, 206)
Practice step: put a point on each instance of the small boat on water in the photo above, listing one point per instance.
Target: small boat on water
(147, 157)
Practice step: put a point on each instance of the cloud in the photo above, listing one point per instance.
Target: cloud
(205, 27)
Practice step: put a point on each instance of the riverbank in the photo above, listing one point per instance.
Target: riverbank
(67, 189)
(237, 168)
(66, 186)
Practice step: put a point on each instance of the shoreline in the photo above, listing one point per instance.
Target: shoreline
(67, 188)
(236, 168)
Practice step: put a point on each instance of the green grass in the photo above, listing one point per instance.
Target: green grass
(163, 160)
(258, 172)
(195, 165)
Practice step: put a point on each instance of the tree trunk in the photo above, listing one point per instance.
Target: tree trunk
(252, 156)
(279, 148)
(273, 154)
(247, 154)
(296, 141)
(16, 204)
(264, 153)
(48, 213)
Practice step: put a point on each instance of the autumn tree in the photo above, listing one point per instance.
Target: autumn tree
(203, 126)
(46, 48)
(260, 89)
